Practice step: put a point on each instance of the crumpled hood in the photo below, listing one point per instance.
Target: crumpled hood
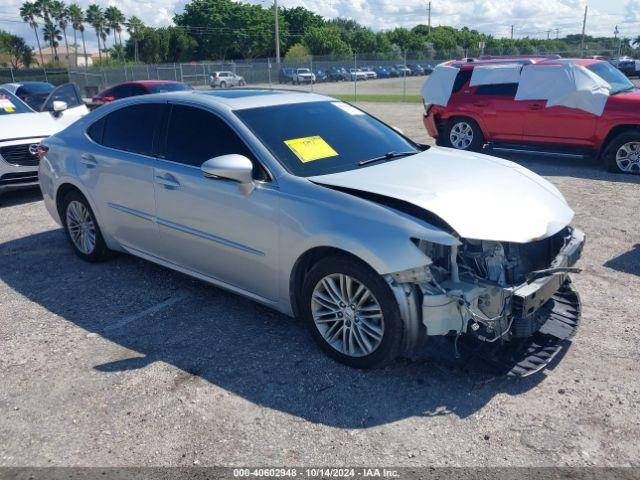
(481, 197)
(28, 125)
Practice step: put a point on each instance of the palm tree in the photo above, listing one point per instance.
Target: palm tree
(95, 17)
(76, 16)
(52, 35)
(60, 14)
(636, 41)
(135, 28)
(29, 13)
(114, 19)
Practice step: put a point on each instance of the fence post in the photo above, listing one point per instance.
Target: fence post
(148, 76)
(269, 72)
(126, 78)
(311, 65)
(175, 72)
(404, 82)
(181, 74)
(13, 79)
(46, 79)
(355, 77)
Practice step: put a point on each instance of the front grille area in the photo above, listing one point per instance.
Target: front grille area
(19, 178)
(19, 155)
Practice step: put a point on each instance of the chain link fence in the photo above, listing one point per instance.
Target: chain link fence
(56, 76)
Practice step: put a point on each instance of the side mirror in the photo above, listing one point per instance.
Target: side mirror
(231, 167)
(59, 106)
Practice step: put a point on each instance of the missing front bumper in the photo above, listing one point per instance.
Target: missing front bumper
(526, 356)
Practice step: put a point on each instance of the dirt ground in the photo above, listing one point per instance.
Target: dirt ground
(127, 363)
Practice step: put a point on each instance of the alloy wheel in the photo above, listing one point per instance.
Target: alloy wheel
(81, 227)
(347, 315)
(461, 135)
(628, 157)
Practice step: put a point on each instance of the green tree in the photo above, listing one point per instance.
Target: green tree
(135, 28)
(363, 40)
(298, 53)
(325, 41)
(95, 18)
(60, 14)
(76, 17)
(298, 20)
(51, 34)
(114, 18)
(29, 12)
(20, 53)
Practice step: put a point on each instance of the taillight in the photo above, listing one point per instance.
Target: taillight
(41, 151)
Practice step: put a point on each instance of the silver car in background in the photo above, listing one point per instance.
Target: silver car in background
(312, 207)
(225, 79)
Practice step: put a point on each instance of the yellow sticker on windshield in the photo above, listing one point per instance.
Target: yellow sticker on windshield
(308, 149)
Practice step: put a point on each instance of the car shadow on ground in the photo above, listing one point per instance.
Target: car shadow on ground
(587, 168)
(628, 262)
(20, 197)
(242, 347)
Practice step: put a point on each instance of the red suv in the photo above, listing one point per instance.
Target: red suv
(140, 87)
(490, 114)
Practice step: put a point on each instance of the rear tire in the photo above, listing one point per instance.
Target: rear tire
(82, 229)
(358, 323)
(622, 155)
(462, 133)
(223, 84)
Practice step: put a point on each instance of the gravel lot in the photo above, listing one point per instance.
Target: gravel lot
(127, 363)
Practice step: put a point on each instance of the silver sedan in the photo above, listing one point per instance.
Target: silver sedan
(319, 210)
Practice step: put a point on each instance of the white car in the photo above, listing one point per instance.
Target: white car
(371, 75)
(226, 79)
(303, 75)
(22, 129)
(357, 74)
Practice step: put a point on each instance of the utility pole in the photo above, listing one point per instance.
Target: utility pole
(584, 26)
(429, 9)
(511, 32)
(275, 12)
(548, 33)
(615, 36)
(557, 33)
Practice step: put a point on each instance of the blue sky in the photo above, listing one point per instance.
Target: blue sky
(529, 17)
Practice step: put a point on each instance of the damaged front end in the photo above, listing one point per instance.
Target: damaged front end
(511, 303)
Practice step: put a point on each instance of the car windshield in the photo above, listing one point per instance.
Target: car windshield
(612, 76)
(168, 87)
(317, 138)
(10, 104)
(303, 70)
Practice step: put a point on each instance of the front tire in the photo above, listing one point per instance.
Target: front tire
(223, 84)
(82, 229)
(622, 155)
(352, 313)
(463, 134)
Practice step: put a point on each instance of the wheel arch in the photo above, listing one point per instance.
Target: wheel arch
(613, 133)
(305, 262)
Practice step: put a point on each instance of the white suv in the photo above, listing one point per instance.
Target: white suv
(225, 79)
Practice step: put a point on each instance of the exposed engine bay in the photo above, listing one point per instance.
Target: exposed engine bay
(493, 290)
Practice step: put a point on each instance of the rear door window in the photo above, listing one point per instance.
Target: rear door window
(461, 80)
(132, 128)
(498, 90)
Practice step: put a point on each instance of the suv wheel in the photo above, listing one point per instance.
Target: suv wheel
(623, 153)
(352, 313)
(463, 134)
(82, 229)
(223, 84)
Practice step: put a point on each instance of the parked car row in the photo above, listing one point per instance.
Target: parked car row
(299, 76)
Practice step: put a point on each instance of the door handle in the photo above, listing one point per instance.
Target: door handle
(535, 106)
(168, 181)
(88, 160)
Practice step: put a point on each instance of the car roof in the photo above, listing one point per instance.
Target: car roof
(243, 98)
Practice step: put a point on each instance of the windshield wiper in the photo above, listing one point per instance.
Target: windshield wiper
(386, 156)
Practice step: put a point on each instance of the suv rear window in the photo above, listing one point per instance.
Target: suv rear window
(498, 89)
(461, 80)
